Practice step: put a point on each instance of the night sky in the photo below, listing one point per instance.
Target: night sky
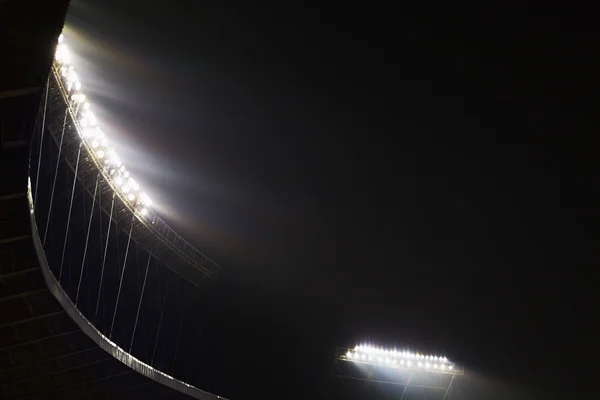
(422, 179)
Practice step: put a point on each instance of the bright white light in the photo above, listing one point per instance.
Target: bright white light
(449, 366)
(91, 118)
(125, 188)
(348, 354)
(419, 364)
(60, 38)
(145, 199)
(72, 76)
(131, 197)
(134, 184)
(427, 365)
(95, 143)
(126, 174)
(443, 366)
(435, 366)
(100, 153)
(409, 363)
(364, 357)
(78, 85)
(63, 55)
(402, 362)
(119, 181)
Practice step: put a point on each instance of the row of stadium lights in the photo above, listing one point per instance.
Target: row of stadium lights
(93, 135)
(395, 358)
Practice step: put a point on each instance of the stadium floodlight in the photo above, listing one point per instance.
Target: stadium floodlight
(392, 358)
(91, 135)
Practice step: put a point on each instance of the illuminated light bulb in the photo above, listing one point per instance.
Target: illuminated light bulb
(60, 38)
(419, 364)
(427, 365)
(131, 197)
(100, 153)
(370, 358)
(145, 199)
(126, 174)
(69, 86)
(122, 169)
(95, 143)
(402, 362)
(134, 184)
(364, 357)
(112, 171)
(78, 86)
(78, 97)
(91, 118)
(125, 188)
(449, 366)
(409, 363)
(86, 106)
(445, 359)
(63, 55)
(72, 76)
(119, 181)
(348, 354)
(443, 366)
(435, 366)
(63, 71)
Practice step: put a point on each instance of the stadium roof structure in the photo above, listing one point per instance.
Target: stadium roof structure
(72, 123)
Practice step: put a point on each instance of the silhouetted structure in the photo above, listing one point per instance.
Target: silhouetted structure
(93, 294)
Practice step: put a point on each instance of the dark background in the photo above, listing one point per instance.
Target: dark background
(362, 173)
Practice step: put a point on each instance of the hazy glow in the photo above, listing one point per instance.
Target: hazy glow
(87, 121)
(396, 358)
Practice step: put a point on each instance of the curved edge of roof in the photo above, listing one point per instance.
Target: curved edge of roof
(101, 340)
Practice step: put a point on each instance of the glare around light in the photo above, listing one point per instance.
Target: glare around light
(393, 358)
(91, 135)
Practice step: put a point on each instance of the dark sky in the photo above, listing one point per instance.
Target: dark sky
(363, 173)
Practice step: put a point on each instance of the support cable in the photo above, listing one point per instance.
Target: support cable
(178, 335)
(448, 389)
(87, 238)
(121, 280)
(112, 207)
(62, 136)
(69, 217)
(37, 175)
(162, 310)
(406, 386)
(140, 303)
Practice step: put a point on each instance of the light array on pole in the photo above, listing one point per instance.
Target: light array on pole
(394, 358)
(93, 136)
